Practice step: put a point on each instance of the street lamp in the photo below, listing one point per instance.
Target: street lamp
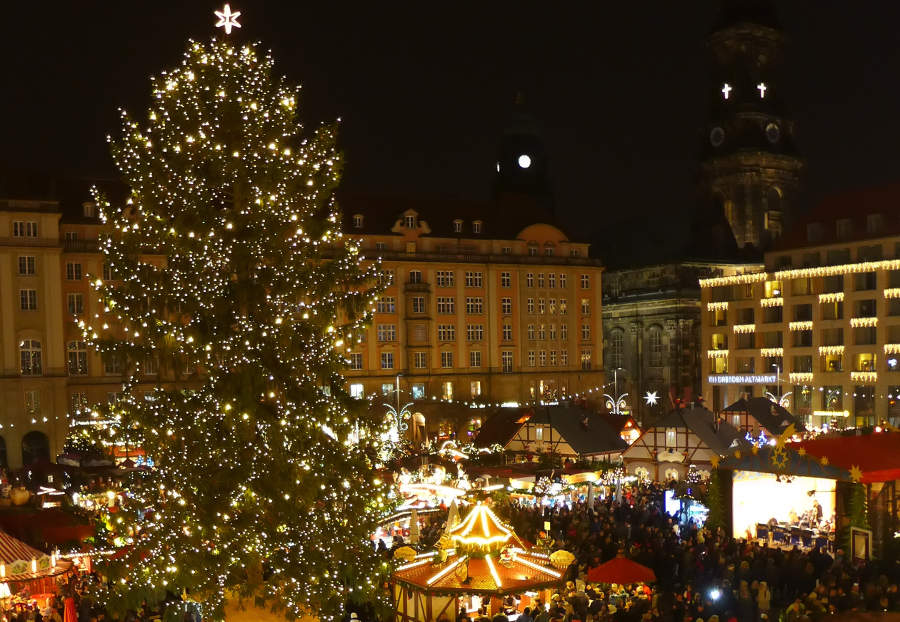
(781, 400)
(616, 405)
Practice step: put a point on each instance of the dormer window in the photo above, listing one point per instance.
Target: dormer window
(844, 228)
(814, 232)
(476, 226)
(457, 226)
(548, 251)
(409, 221)
(874, 223)
(532, 251)
(88, 209)
(357, 221)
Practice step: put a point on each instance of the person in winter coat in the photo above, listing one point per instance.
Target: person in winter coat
(763, 598)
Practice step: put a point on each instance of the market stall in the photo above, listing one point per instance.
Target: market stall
(27, 573)
(478, 563)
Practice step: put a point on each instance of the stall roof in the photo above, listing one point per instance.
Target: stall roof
(774, 418)
(795, 464)
(585, 431)
(876, 455)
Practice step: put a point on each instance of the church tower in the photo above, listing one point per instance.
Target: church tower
(750, 166)
(522, 159)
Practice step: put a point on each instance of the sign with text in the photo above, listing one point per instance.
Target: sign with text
(743, 379)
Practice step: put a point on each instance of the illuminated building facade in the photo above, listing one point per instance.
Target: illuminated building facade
(820, 319)
(485, 302)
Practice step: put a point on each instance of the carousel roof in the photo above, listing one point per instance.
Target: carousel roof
(482, 528)
(525, 571)
(476, 564)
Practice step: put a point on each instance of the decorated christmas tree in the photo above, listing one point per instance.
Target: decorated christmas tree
(231, 301)
(714, 501)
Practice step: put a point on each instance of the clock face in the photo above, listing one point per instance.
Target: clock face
(524, 160)
(716, 136)
(773, 133)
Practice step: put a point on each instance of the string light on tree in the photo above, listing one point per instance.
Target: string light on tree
(651, 398)
(726, 90)
(227, 19)
(761, 87)
(232, 336)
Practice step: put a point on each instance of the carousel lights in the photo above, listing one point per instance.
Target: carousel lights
(416, 564)
(494, 575)
(446, 570)
(531, 564)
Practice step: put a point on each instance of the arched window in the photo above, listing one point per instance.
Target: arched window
(30, 356)
(655, 347)
(672, 475)
(616, 348)
(35, 447)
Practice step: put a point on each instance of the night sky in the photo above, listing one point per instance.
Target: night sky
(425, 89)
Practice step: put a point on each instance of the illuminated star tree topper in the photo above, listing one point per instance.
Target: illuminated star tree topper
(227, 19)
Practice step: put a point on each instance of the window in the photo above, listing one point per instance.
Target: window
(552, 358)
(564, 358)
(77, 355)
(585, 306)
(26, 265)
(457, 226)
(844, 228)
(671, 438)
(474, 279)
(505, 279)
(32, 402)
(385, 304)
(409, 221)
(563, 306)
(585, 359)
(506, 250)
(531, 358)
(418, 304)
(531, 333)
(548, 251)
(542, 358)
(446, 359)
(506, 305)
(356, 360)
(475, 387)
(616, 348)
(357, 221)
(474, 304)
(551, 306)
(541, 280)
(357, 390)
(445, 278)
(446, 305)
(553, 332)
(28, 299)
(78, 401)
(446, 332)
(529, 279)
(418, 391)
(420, 360)
(563, 280)
(475, 332)
(73, 271)
(75, 303)
(25, 229)
(563, 331)
(507, 332)
(585, 332)
(541, 306)
(506, 361)
(476, 226)
(385, 277)
(415, 276)
(30, 356)
(447, 390)
(475, 358)
(655, 346)
(112, 364)
(71, 236)
(108, 272)
(542, 331)
(380, 246)
(874, 223)
(387, 360)
(585, 281)
(530, 305)
(551, 280)
(387, 332)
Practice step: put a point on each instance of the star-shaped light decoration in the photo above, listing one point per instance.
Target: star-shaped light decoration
(227, 19)
(651, 398)
(801, 451)
(714, 461)
(824, 461)
(855, 473)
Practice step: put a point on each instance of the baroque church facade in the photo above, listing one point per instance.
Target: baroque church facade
(749, 191)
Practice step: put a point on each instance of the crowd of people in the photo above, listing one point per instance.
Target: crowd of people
(702, 575)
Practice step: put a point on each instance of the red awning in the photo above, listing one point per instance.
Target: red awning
(621, 570)
(876, 455)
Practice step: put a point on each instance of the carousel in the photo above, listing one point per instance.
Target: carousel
(479, 562)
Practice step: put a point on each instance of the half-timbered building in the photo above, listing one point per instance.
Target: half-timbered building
(683, 437)
(760, 416)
